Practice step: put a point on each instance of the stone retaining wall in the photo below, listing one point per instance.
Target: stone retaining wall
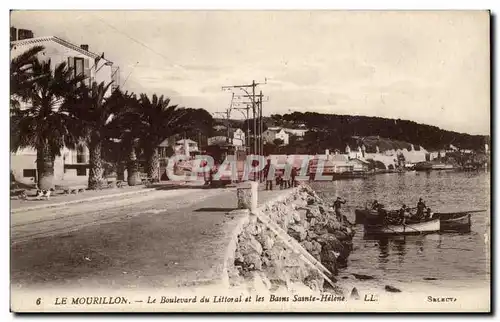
(262, 259)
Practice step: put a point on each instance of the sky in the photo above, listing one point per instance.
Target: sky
(428, 67)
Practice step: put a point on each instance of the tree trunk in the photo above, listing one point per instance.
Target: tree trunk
(45, 167)
(120, 171)
(153, 164)
(132, 170)
(96, 167)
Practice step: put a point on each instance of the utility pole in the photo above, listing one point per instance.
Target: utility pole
(258, 119)
(261, 127)
(254, 120)
(226, 116)
(255, 111)
(246, 116)
(245, 88)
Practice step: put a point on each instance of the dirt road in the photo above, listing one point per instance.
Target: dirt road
(148, 240)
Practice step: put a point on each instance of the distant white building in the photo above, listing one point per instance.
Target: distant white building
(186, 144)
(274, 133)
(437, 154)
(387, 157)
(237, 137)
(296, 132)
(355, 152)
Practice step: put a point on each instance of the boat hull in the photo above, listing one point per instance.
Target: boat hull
(460, 222)
(425, 227)
(361, 215)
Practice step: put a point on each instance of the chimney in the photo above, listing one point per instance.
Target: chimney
(85, 47)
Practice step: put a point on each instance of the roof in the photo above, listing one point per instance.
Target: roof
(39, 40)
(233, 130)
(187, 140)
(295, 130)
(337, 157)
(164, 143)
(359, 160)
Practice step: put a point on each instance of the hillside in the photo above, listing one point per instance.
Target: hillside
(336, 130)
(331, 131)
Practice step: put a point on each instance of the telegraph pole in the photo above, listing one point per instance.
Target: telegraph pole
(246, 116)
(244, 88)
(254, 120)
(261, 141)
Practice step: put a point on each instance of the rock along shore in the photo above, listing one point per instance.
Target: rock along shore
(262, 260)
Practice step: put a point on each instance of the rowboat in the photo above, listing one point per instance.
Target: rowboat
(362, 214)
(450, 221)
(442, 167)
(422, 227)
(455, 221)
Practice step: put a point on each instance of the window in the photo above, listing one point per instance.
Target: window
(81, 171)
(29, 173)
(80, 66)
(81, 157)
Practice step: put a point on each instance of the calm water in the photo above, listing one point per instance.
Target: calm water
(450, 258)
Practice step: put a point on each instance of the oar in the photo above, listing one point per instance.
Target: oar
(419, 231)
(460, 212)
(393, 230)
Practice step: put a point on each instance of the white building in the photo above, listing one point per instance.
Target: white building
(355, 152)
(274, 133)
(387, 157)
(186, 144)
(237, 138)
(72, 165)
(296, 132)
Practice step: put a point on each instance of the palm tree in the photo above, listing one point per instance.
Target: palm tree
(21, 75)
(159, 120)
(95, 111)
(121, 142)
(45, 123)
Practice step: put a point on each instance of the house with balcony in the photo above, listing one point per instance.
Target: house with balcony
(72, 165)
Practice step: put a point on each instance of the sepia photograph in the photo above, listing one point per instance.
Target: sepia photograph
(250, 161)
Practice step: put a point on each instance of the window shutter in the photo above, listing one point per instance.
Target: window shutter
(71, 64)
(86, 72)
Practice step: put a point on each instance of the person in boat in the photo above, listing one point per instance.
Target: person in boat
(402, 214)
(420, 208)
(428, 213)
(337, 205)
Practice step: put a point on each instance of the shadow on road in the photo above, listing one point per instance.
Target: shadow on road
(215, 209)
(176, 186)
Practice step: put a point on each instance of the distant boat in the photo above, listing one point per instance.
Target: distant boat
(423, 166)
(442, 167)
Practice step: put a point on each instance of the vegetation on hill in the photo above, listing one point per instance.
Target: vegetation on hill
(335, 131)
